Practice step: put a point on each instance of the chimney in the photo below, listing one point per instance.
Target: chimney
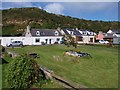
(100, 32)
(76, 28)
(27, 33)
(28, 28)
(58, 28)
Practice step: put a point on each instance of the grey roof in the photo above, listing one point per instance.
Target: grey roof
(85, 30)
(77, 33)
(70, 29)
(44, 32)
(116, 31)
(108, 35)
(66, 33)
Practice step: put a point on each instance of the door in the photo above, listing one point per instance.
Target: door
(50, 41)
(46, 41)
(0, 42)
(91, 39)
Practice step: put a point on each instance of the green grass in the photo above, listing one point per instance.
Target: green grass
(0, 76)
(100, 71)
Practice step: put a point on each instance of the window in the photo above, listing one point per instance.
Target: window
(37, 40)
(71, 33)
(80, 38)
(91, 33)
(84, 33)
(37, 33)
(46, 40)
(58, 39)
(56, 33)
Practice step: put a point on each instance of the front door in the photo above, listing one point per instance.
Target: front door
(46, 41)
(49, 41)
(91, 39)
(0, 42)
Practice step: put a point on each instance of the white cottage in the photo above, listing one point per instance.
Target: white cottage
(44, 36)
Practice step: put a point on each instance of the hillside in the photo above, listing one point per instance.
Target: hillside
(15, 21)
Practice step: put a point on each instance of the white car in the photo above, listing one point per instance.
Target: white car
(15, 43)
(103, 42)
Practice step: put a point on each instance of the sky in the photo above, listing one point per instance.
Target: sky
(89, 10)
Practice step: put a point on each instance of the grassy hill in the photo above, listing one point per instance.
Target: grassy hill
(15, 21)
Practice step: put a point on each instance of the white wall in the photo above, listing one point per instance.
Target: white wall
(43, 39)
(29, 40)
(86, 39)
(116, 40)
(5, 40)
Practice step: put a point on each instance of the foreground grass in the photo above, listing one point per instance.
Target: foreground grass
(100, 71)
(0, 76)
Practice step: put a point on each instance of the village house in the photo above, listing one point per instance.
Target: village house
(111, 36)
(81, 36)
(35, 37)
(100, 36)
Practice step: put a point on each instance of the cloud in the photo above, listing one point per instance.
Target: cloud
(87, 6)
(55, 8)
(90, 10)
(85, 10)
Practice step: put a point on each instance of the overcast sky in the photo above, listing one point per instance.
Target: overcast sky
(106, 11)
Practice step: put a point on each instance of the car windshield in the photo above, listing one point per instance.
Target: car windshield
(16, 42)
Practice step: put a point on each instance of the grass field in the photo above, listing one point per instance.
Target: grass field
(100, 71)
(0, 76)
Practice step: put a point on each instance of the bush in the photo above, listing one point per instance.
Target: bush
(2, 49)
(23, 71)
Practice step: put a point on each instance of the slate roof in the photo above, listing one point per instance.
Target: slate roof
(108, 35)
(44, 32)
(70, 29)
(77, 33)
(116, 31)
(86, 32)
(65, 31)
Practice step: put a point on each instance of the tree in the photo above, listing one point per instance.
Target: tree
(22, 72)
(69, 40)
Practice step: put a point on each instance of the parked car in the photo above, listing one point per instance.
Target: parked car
(103, 42)
(15, 43)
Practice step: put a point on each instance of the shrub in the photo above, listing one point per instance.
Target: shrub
(23, 71)
(2, 49)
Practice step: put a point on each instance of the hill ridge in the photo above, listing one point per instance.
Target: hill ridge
(15, 21)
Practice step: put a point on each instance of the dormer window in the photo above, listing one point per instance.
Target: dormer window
(38, 33)
(56, 33)
(84, 33)
(91, 33)
(71, 33)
